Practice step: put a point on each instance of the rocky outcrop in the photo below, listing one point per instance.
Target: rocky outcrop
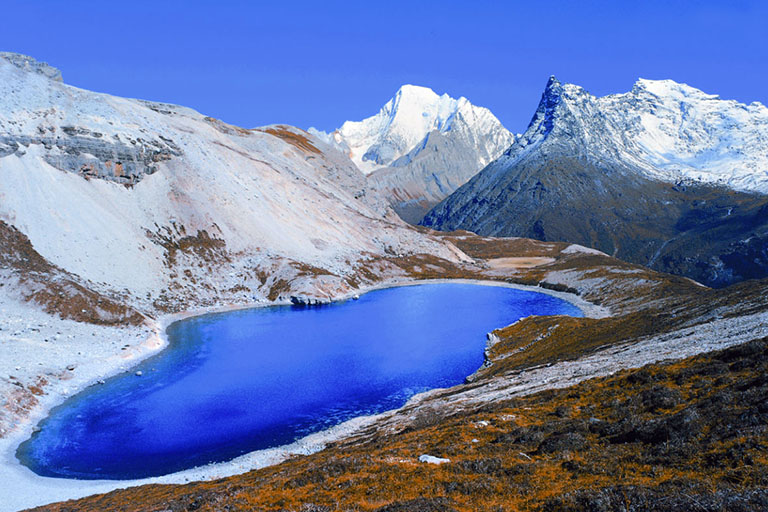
(27, 63)
(303, 300)
(92, 155)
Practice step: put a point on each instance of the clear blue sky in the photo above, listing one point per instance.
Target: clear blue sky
(319, 63)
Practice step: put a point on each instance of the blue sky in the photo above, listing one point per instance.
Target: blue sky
(320, 63)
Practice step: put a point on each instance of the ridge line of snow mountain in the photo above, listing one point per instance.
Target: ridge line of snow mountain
(670, 131)
(420, 153)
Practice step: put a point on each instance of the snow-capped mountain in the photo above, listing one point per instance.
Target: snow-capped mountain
(145, 198)
(663, 175)
(421, 146)
(406, 119)
(671, 131)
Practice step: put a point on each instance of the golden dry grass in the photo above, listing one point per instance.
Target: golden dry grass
(518, 262)
(293, 136)
(665, 432)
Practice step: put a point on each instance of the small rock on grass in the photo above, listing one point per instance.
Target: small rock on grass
(431, 459)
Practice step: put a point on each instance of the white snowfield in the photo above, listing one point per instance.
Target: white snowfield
(670, 131)
(402, 127)
(267, 199)
(576, 248)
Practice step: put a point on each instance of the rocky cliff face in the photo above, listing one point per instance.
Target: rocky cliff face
(420, 147)
(587, 171)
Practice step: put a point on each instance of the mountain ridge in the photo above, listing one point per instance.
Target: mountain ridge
(583, 172)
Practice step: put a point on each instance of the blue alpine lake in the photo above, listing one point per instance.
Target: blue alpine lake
(230, 383)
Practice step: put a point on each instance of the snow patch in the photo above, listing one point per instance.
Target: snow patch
(576, 249)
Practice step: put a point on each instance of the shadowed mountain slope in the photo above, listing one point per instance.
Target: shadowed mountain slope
(582, 173)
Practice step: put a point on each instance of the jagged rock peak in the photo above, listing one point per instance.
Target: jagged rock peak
(553, 93)
(551, 97)
(556, 90)
(28, 63)
(543, 121)
(553, 88)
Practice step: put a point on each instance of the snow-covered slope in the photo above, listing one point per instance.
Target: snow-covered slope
(664, 175)
(421, 146)
(148, 198)
(682, 131)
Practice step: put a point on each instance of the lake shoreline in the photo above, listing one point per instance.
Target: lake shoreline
(32, 489)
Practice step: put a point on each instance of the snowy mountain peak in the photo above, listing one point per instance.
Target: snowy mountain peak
(404, 122)
(421, 146)
(668, 130)
(27, 63)
(400, 125)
